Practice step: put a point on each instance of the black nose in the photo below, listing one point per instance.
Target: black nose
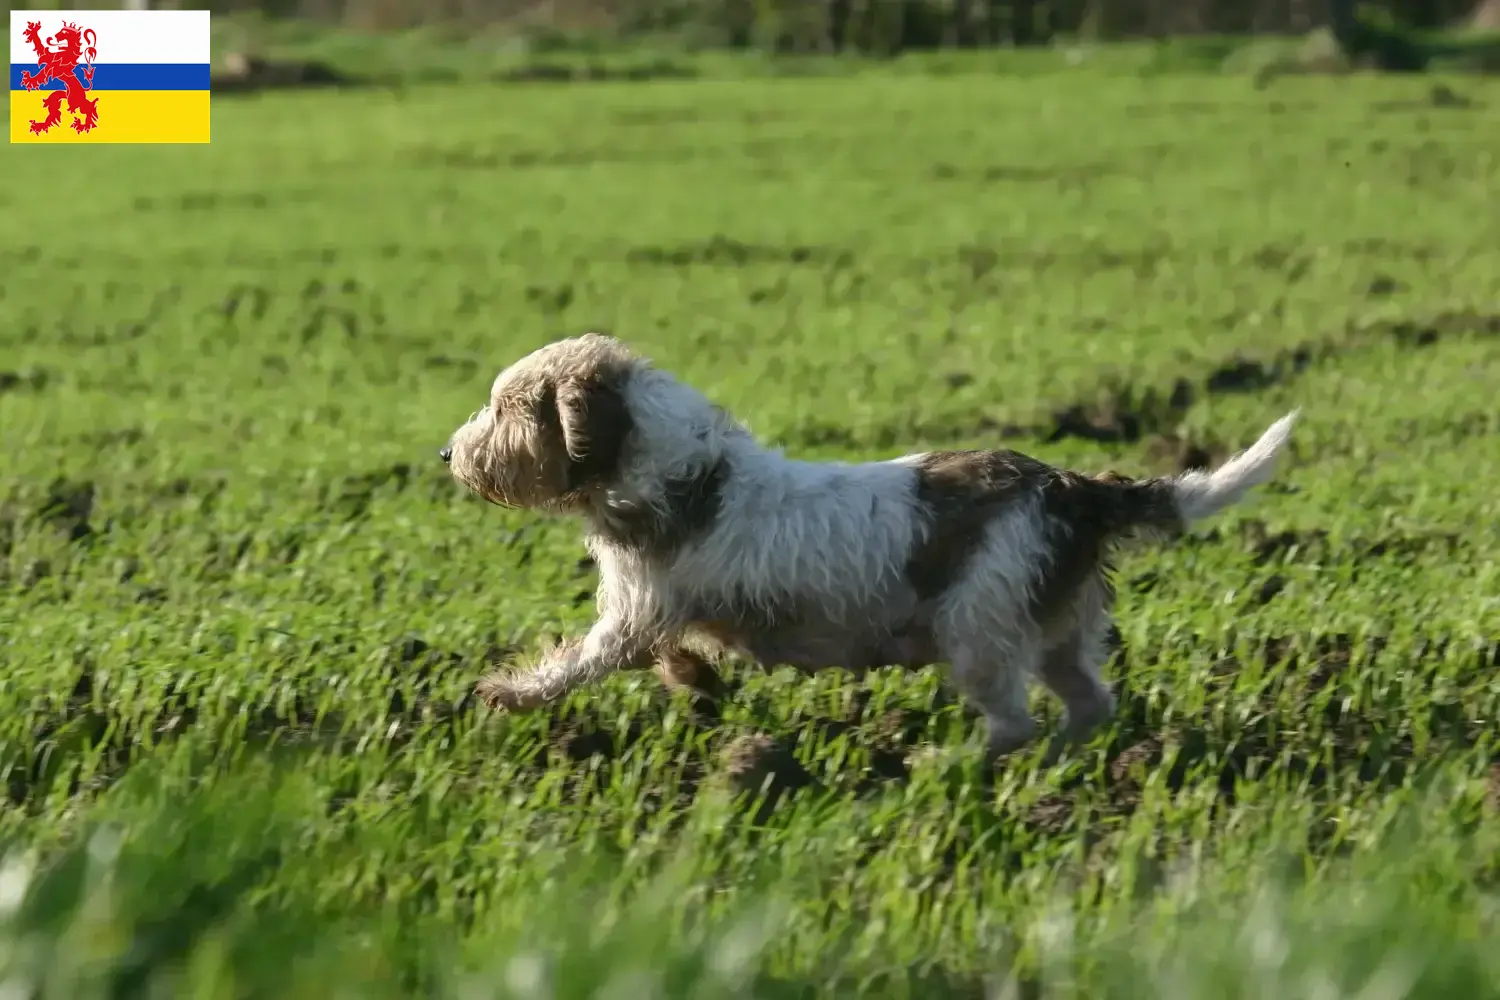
(446, 454)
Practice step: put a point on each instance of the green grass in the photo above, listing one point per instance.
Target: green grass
(242, 605)
(504, 52)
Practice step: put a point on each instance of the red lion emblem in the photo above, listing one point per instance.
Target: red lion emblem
(56, 59)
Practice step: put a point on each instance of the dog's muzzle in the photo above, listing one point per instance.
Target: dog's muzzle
(446, 453)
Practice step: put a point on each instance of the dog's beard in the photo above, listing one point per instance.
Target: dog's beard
(474, 461)
(509, 466)
(489, 484)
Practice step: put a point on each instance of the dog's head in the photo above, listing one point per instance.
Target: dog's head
(556, 425)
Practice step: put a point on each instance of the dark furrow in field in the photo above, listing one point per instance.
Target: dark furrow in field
(1128, 413)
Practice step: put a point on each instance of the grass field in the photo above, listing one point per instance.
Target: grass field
(242, 605)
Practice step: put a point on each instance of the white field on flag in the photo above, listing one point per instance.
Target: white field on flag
(125, 36)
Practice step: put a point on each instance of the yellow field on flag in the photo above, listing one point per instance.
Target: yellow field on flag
(144, 116)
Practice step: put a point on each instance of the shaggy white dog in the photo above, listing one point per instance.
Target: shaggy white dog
(707, 542)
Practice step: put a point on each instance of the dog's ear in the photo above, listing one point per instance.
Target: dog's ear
(595, 423)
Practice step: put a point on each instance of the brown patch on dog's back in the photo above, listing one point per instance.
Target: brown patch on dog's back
(960, 492)
(1084, 515)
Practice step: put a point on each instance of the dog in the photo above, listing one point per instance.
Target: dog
(709, 543)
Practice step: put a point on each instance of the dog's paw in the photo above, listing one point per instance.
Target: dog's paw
(524, 686)
(509, 690)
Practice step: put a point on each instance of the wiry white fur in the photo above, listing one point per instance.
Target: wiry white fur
(830, 540)
(1201, 494)
(834, 531)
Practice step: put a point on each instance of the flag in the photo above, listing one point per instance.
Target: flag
(109, 75)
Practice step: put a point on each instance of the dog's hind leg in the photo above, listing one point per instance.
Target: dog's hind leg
(986, 631)
(994, 678)
(1072, 669)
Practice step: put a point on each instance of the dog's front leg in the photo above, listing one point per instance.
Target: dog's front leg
(609, 646)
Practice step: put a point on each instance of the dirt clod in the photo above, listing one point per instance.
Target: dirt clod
(68, 507)
(756, 764)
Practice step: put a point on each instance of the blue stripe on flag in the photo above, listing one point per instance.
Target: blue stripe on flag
(127, 76)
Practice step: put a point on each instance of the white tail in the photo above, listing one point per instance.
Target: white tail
(1201, 494)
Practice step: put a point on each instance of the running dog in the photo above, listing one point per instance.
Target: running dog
(708, 542)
